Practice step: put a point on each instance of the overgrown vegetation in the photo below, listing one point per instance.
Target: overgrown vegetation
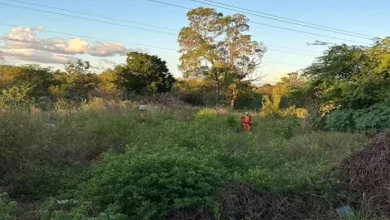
(113, 163)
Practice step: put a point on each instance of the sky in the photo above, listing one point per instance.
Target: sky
(35, 36)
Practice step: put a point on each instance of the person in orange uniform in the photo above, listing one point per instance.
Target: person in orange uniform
(142, 108)
(247, 122)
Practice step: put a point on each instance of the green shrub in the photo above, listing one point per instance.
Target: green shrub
(270, 107)
(151, 185)
(206, 114)
(286, 128)
(316, 120)
(341, 120)
(67, 210)
(373, 119)
(232, 121)
(33, 181)
(6, 207)
(16, 97)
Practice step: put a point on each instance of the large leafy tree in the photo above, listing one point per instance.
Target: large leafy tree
(216, 47)
(143, 74)
(351, 76)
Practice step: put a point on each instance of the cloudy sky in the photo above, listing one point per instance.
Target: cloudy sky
(24, 45)
(35, 34)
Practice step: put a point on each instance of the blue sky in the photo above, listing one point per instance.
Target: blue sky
(364, 16)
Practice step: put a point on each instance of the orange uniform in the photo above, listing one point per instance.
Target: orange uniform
(247, 122)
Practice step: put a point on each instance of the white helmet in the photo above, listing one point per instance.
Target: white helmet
(142, 108)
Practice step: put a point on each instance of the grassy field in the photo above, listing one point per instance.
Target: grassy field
(173, 164)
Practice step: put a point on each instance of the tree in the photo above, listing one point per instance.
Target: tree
(107, 83)
(76, 83)
(265, 89)
(7, 75)
(292, 89)
(194, 91)
(79, 67)
(216, 47)
(355, 85)
(143, 74)
(40, 78)
(351, 76)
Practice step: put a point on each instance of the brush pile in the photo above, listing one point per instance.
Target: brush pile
(241, 201)
(367, 175)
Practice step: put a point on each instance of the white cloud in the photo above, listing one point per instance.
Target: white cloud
(22, 43)
(77, 46)
(37, 56)
(105, 49)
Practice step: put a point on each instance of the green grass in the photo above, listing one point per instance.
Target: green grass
(115, 163)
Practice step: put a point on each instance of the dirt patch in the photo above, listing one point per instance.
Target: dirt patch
(366, 175)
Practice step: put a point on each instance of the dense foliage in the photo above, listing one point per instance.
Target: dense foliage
(155, 167)
(143, 74)
(153, 185)
(350, 85)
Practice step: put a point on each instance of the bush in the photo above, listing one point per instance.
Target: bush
(153, 184)
(16, 97)
(66, 210)
(341, 120)
(206, 114)
(286, 128)
(6, 207)
(372, 120)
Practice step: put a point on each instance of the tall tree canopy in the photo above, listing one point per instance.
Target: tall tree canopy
(144, 74)
(216, 47)
(351, 76)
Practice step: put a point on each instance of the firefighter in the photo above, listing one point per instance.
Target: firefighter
(247, 122)
(142, 108)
